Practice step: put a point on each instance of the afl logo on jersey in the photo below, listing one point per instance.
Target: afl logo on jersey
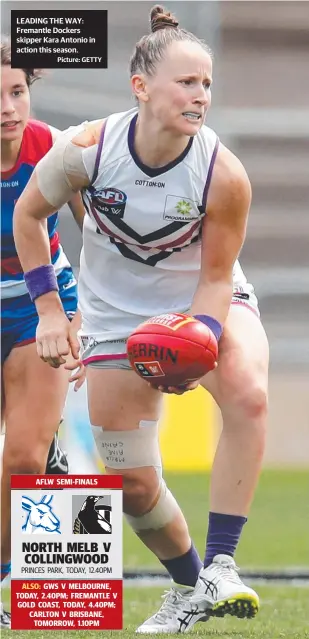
(110, 201)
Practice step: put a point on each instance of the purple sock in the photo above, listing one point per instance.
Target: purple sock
(184, 570)
(223, 535)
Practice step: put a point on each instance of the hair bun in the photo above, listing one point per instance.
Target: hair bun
(162, 19)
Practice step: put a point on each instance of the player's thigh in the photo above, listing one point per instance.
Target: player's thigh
(243, 356)
(35, 395)
(120, 400)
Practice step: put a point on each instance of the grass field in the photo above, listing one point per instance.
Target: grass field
(276, 536)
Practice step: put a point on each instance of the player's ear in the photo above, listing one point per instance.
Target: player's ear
(139, 87)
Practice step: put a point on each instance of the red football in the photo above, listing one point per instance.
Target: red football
(172, 349)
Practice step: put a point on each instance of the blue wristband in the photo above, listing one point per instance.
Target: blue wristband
(41, 280)
(212, 323)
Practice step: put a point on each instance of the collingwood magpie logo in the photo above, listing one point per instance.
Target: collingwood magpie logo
(94, 516)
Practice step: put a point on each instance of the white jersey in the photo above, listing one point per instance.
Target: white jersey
(142, 236)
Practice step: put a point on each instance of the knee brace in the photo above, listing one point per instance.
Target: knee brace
(161, 514)
(127, 449)
(138, 448)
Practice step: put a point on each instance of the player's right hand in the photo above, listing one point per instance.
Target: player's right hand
(56, 339)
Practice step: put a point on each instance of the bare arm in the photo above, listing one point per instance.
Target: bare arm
(32, 211)
(223, 234)
(77, 209)
(75, 203)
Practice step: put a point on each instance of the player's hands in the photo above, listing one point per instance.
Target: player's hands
(178, 390)
(182, 388)
(56, 339)
(79, 375)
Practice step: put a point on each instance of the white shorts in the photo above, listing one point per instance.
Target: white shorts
(106, 347)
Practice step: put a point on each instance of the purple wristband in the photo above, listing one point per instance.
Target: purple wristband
(41, 280)
(212, 323)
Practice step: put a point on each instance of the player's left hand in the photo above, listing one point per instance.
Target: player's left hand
(178, 390)
(79, 373)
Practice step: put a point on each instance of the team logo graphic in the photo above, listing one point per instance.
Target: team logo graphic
(40, 517)
(93, 518)
(183, 207)
(180, 209)
(110, 201)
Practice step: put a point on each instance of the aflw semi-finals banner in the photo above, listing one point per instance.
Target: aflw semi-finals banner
(66, 552)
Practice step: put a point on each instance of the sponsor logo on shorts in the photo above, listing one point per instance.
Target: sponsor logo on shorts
(110, 201)
(239, 293)
(180, 209)
(88, 341)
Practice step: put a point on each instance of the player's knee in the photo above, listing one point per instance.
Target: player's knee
(254, 401)
(140, 491)
(135, 455)
(21, 461)
(244, 391)
(161, 512)
(249, 398)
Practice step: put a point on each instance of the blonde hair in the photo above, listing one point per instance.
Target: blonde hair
(150, 49)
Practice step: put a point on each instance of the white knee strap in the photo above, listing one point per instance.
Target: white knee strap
(130, 448)
(162, 513)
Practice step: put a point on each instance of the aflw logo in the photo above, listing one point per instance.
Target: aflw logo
(110, 201)
(112, 196)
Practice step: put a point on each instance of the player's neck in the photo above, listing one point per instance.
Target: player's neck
(10, 150)
(157, 148)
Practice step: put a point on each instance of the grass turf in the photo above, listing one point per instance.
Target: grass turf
(276, 534)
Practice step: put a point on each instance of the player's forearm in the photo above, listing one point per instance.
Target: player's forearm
(48, 304)
(213, 299)
(33, 249)
(77, 321)
(31, 239)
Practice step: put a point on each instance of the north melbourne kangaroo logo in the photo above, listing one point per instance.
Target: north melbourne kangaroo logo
(40, 517)
(93, 518)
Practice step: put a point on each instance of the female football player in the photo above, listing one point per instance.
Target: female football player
(167, 206)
